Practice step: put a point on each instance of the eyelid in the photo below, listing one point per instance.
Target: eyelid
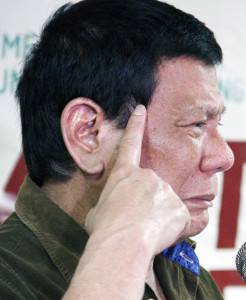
(201, 124)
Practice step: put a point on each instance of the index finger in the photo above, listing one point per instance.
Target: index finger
(131, 142)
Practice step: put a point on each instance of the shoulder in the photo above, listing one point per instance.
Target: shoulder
(12, 233)
(208, 286)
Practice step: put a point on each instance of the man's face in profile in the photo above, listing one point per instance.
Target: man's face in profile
(182, 143)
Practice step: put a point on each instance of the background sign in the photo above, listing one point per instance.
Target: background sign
(20, 24)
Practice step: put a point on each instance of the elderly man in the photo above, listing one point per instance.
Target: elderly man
(108, 207)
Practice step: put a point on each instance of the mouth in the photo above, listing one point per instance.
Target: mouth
(201, 202)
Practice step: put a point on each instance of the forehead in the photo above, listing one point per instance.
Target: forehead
(186, 85)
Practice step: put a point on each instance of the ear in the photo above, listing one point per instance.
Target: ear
(81, 122)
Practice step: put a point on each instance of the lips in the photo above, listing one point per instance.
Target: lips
(200, 201)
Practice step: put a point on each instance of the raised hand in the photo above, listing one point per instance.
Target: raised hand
(137, 216)
(136, 199)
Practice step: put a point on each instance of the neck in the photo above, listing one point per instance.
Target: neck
(70, 196)
(76, 196)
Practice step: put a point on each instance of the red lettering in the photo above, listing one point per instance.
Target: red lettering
(231, 198)
(226, 278)
(16, 177)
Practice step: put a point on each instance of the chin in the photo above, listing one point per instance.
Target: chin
(198, 224)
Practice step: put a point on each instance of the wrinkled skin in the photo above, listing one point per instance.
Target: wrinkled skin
(182, 143)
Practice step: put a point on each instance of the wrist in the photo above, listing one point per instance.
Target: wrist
(119, 262)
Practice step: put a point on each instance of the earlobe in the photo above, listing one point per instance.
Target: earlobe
(81, 121)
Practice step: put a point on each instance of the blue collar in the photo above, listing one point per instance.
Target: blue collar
(184, 255)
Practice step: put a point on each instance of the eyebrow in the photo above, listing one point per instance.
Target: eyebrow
(211, 111)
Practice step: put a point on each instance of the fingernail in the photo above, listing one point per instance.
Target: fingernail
(139, 110)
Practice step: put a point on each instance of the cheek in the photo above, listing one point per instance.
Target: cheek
(173, 159)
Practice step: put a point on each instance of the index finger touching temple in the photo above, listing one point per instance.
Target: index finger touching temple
(131, 142)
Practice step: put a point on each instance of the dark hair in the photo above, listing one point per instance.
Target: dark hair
(104, 50)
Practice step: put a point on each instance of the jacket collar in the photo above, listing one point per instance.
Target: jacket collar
(62, 237)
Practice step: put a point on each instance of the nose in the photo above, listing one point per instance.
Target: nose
(217, 156)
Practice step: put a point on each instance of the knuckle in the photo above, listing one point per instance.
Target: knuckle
(184, 213)
(166, 186)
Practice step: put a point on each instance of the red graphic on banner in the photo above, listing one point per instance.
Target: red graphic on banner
(226, 278)
(16, 177)
(231, 198)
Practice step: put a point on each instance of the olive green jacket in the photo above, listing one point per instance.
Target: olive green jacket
(40, 246)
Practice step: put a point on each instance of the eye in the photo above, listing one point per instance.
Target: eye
(199, 124)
